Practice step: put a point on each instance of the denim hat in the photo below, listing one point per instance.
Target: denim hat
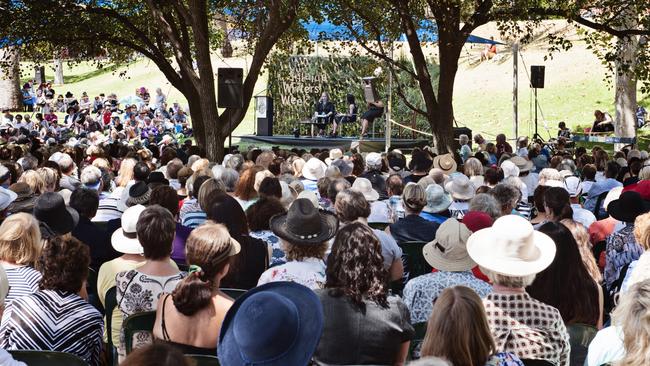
(279, 323)
(437, 199)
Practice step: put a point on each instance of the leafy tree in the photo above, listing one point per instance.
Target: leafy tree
(176, 35)
(374, 24)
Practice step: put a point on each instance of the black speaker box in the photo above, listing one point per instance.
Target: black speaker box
(537, 77)
(264, 116)
(230, 84)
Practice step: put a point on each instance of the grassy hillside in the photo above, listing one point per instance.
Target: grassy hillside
(483, 92)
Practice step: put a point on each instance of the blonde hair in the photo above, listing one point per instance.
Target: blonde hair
(200, 165)
(644, 174)
(20, 239)
(642, 230)
(633, 314)
(34, 181)
(101, 163)
(125, 174)
(473, 167)
(414, 198)
(581, 235)
(50, 178)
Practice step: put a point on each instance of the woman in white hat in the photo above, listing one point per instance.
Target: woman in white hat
(379, 210)
(448, 254)
(312, 171)
(511, 253)
(462, 191)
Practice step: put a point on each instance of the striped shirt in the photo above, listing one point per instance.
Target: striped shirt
(53, 321)
(191, 214)
(23, 281)
(108, 210)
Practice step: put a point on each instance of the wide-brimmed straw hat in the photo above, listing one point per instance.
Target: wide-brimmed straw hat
(249, 336)
(364, 186)
(314, 169)
(334, 155)
(523, 164)
(448, 252)
(460, 187)
(437, 199)
(511, 247)
(125, 239)
(445, 162)
(304, 224)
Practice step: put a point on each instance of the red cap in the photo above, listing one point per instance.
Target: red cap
(477, 220)
(642, 188)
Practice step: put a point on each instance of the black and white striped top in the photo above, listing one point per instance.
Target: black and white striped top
(22, 281)
(54, 321)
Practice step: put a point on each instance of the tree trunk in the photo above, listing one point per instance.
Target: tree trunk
(58, 71)
(444, 125)
(10, 95)
(625, 98)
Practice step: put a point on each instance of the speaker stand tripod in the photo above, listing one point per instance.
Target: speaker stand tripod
(536, 136)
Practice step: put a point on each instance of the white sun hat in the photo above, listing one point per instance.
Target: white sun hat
(511, 247)
(125, 239)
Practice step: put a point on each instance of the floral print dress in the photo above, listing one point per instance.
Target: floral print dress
(138, 292)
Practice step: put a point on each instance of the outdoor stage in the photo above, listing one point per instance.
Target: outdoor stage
(344, 143)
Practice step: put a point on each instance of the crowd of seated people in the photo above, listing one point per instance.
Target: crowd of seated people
(293, 257)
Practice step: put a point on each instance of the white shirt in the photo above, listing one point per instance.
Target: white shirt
(309, 272)
(606, 347)
(379, 212)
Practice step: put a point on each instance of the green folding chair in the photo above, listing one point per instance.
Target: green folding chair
(580, 335)
(416, 343)
(138, 322)
(110, 301)
(91, 287)
(204, 360)
(47, 358)
(414, 262)
(235, 293)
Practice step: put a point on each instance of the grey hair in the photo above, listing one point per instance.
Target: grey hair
(235, 162)
(506, 194)
(430, 361)
(508, 281)
(463, 139)
(90, 175)
(229, 177)
(567, 164)
(484, 202)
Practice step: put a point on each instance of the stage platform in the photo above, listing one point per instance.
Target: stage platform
(344, 143)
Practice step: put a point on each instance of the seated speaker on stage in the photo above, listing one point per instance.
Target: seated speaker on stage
(323, 115)
(349, 117)
(603, 122)
(375, 110)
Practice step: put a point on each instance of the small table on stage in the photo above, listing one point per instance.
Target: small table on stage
(312, 122)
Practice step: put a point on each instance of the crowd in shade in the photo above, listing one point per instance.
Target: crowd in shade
(491, 257)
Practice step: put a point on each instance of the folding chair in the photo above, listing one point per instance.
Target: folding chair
(138, 322)
(47, 358)
(204, 360)
(235, 293)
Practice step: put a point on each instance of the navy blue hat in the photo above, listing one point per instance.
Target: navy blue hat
(279, 323)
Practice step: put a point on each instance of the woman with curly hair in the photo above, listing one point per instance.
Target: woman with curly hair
(581, 236)
(363, 325)
(57, 317)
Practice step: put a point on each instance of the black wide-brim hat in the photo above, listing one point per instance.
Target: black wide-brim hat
(51, 210)
(304, 224)
(628, 207)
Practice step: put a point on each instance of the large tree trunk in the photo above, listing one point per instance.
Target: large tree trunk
(10, 95)
(444, 132)
(58, 71)
(625, 98)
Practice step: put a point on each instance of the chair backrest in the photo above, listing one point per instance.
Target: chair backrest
(599, 211)
(138, 322)
(530, 362)
(47, 358)
(204, 360)
(580, 335)
(416, 343)
(414, 263)
(110, 301)
(379, 225)
(235, 293)
(91, 287)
